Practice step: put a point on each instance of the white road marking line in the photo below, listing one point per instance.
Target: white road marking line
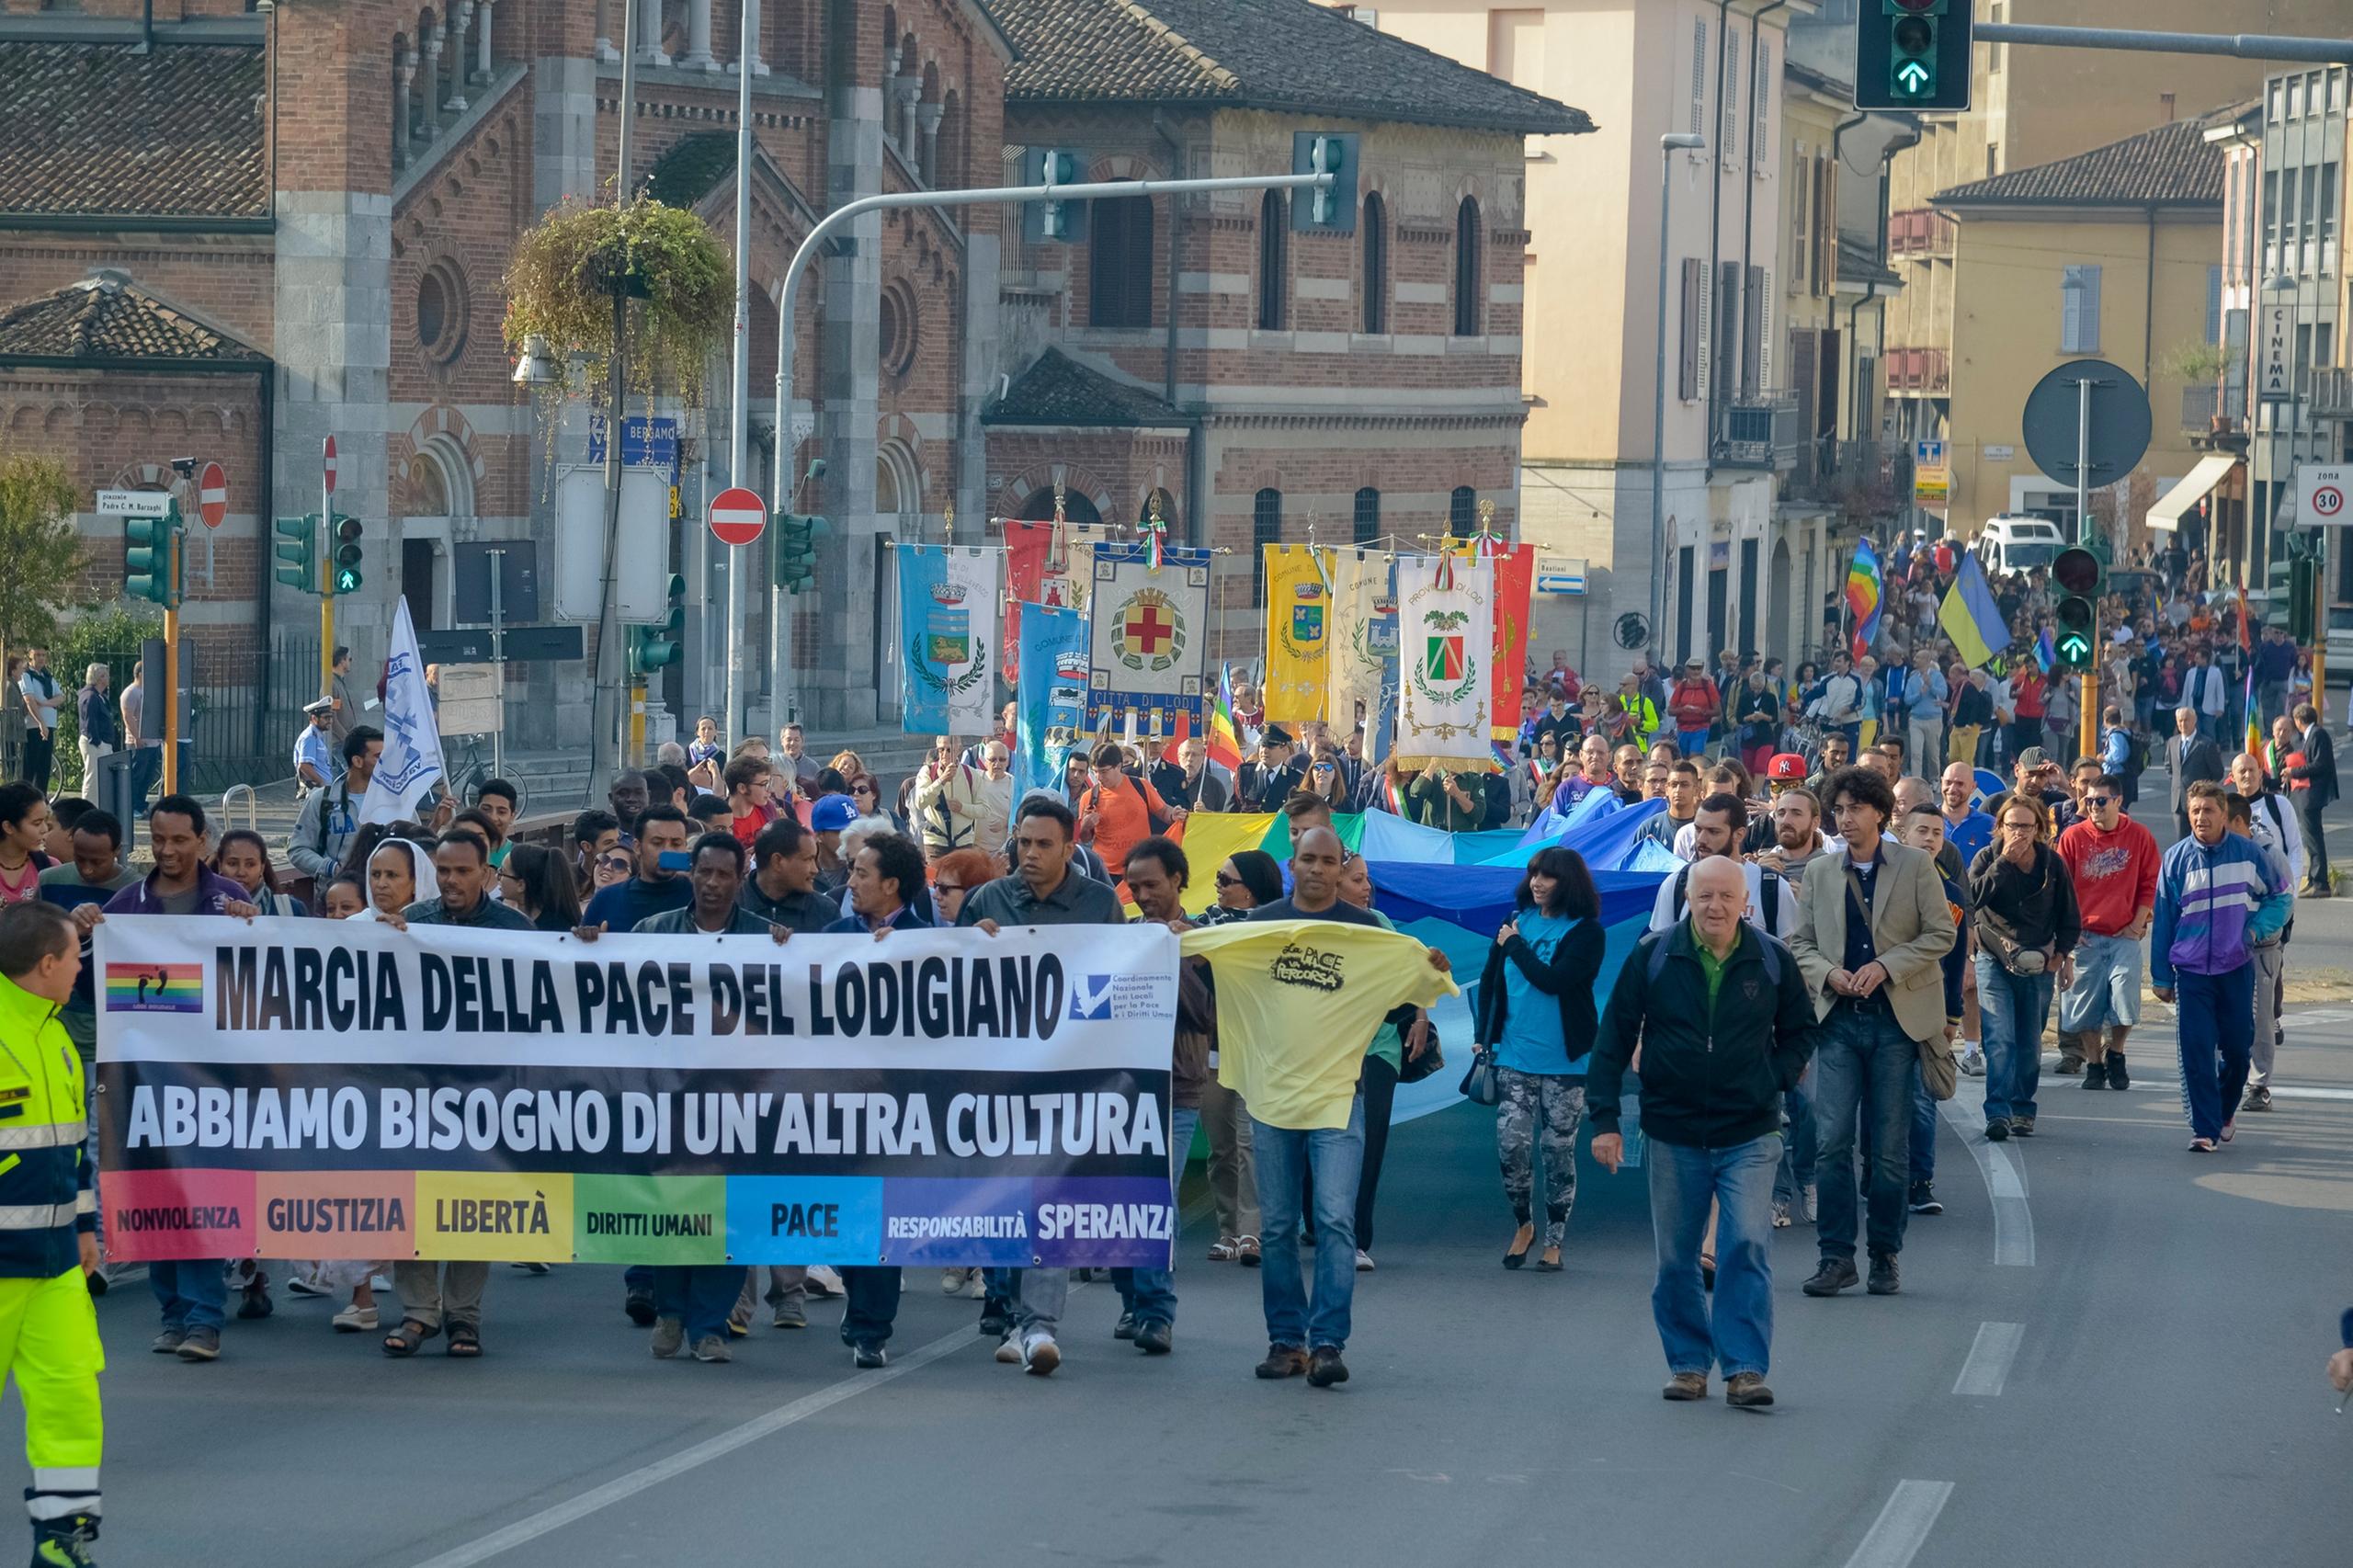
(2282, 1092)
(623, 1487)
(1988, 1365)
(1901, 1527)
(2013, 1220)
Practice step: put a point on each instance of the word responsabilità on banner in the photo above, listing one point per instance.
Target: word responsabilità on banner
(269, 1089)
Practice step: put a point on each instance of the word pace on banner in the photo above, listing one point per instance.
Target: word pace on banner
(284, 1089)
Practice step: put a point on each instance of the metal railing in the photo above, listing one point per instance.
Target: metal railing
(1760, 432)
(2199, 405)
(2332, 393)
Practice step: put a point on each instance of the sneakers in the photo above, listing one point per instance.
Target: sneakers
(2118, 1078)
(976, 1289)
(1685, 1386)
(790, 1315)
(200, 1345)
(1155, 1338)
(1803, 1209)
(713, 1347)
(2095, 1074)
(2022, 1127)
(303, 1284)
(823, 1283)
(355, 1320)
(2258, 1098)
(65, 1544)
(1364, 1261)
(639, 1305)
(1997, 1129)
(1746, 1391)
(1324, 1367)
(1246, 1251)
(1008, 1350)
(1126, 1327)
(2069, 1065)
(1924, 1199)
(952, 1280)
(2201, 1145)
(168, 1342)
(1972, 1062)
(1884, 1280)
(995, 1326)
(1283, 1361)
(867, 1358)
(2230, 1130)
(669, 1337)
(1221, 1250)
(1834, 1275)
(1041, 1355)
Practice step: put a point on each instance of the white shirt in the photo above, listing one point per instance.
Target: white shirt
(2282, 835)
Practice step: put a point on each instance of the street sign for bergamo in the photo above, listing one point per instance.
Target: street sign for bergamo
(2320, 490)
(737, 517)
(212, 495)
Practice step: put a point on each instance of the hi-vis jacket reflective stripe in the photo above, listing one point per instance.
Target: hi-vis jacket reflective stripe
(46, 1194)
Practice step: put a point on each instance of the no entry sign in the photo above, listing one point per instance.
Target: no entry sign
(737, 517)
(326, 465)
(212, 495)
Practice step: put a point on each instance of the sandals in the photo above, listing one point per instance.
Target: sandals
(1223, 1250)
(465, 1342)
(1246, 1251)
(410, 1338)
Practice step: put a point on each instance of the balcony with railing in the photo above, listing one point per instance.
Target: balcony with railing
(1918, 371)
(2332, 393)
(1859, 479)
(2200, 407)
(1921, 233)
(1760, 432)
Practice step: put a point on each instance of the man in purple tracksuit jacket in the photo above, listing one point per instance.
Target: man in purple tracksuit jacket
(2217, 895)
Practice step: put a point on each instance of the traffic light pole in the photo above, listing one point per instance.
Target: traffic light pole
(2243, 46)
(172, 658)
(327, 591)
(780, 618)
(2087, 719)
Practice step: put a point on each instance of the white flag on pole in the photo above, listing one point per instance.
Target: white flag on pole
(412, 760)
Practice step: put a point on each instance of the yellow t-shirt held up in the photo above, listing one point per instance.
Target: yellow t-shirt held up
(1297, 1002)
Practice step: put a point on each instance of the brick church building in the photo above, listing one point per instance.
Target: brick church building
(233, 230)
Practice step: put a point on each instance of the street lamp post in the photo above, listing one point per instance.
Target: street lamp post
(1673, 141)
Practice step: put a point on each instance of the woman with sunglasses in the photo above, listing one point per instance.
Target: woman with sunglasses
(1248, 878)
(1327, 781)
(1536, 1011)
(609, 868)
(866, 794)
(536, 882)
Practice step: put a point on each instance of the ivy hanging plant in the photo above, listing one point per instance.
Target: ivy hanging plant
(678, 279)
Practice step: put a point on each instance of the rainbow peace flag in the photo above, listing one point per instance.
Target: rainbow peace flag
(1224, 746)
(154, 988)
(1863, 596)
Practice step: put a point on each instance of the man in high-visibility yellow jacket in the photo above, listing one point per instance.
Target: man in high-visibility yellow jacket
(48, 1330)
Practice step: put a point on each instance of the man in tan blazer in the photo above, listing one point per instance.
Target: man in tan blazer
(1879, 989)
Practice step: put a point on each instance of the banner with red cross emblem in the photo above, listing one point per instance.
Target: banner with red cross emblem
(1147, 633)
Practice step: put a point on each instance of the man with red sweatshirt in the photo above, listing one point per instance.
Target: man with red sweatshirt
(1693, 705)
(2028, 692)
(2114, 861)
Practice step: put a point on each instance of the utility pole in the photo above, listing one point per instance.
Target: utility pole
(739, 465)
(171, 654)
(604, 733)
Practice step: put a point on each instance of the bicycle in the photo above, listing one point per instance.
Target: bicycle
(466, 764)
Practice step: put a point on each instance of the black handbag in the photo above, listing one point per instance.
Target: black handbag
(1480, 1084)
(1432, 1060)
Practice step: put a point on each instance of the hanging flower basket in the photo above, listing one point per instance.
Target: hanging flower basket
(679, 281)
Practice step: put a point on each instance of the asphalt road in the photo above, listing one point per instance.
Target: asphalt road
(2139, 1385)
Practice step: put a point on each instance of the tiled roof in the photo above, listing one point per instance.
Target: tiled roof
(1292, 55)
(1058, 389)
(1860, 262)
(97, 129)
(105, 316)
(2173, 166)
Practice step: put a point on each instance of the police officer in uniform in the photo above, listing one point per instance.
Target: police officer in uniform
(48, 1243)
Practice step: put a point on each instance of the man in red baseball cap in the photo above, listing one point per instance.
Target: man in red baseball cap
(1786, 769)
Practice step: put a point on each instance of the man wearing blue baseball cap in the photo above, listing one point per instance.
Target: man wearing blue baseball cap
(827, 818)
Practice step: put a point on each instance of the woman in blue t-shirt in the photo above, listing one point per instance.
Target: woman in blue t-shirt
(1536, 1010)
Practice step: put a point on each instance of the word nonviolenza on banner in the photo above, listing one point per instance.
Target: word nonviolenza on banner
(289, 1088)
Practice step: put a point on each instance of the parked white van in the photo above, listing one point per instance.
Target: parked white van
(2015, 542)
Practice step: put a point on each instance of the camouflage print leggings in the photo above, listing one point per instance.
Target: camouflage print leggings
(1540, 1111)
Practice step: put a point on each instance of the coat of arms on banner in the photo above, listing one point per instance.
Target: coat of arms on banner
(948, 616)
(949, 627)
(1446, 666)
(1445, 706)
(1147, 621)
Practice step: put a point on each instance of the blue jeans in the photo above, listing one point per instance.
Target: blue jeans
(1866, 1063)
(2015, 1007)
(2216, 1015)
(1738, 1335)
(1796, 1173)
(193, 1293)
(871, 1305)
(699, 1296)
(1151, 1293)
(1923, 1131)
(1285, 1157)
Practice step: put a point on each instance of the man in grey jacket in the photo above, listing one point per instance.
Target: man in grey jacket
(329, 820)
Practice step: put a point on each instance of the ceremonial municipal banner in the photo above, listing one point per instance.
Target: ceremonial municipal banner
(1051, 694)
(1040, 570)
(1445, 639)
(948, 605)
(1149, 627)
(292, 1088)
(1515, 571)
(1360, 652)
(1299, 615)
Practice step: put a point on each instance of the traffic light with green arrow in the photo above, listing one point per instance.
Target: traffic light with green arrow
(2076, 641)
(150, 557)
(1912, 54)
(297, 552)
(345, 573)
(652, 647)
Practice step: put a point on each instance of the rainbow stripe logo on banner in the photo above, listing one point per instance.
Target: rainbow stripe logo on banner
(154, 988)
